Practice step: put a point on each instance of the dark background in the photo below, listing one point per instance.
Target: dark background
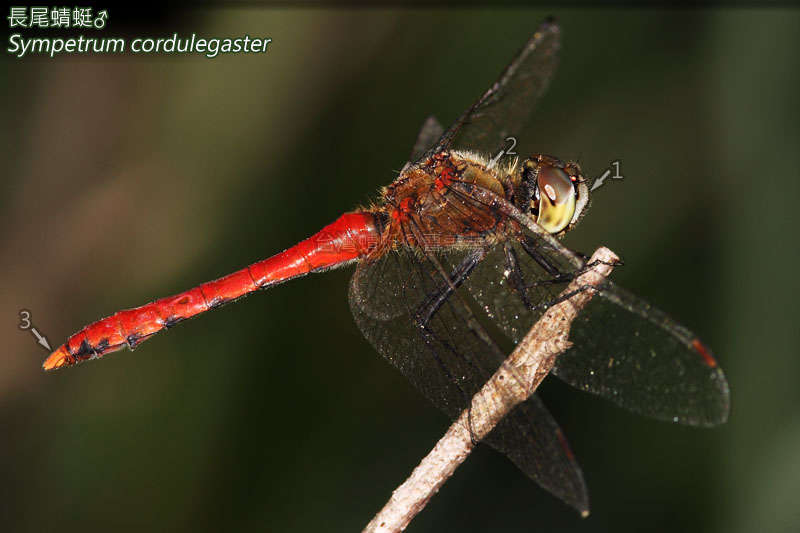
(130, 178)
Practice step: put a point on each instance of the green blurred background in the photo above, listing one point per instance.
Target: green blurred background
(129, 178)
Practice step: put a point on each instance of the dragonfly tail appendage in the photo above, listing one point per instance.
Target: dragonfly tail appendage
(351, 236)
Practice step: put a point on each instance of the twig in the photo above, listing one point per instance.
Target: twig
(513, 383)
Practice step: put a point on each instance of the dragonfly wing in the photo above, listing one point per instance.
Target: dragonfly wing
(430, 132)
(531, 438)
(448, 360)
(386, 297)
(635, 355)
(624, 349)
(506, 106)
(513, 291)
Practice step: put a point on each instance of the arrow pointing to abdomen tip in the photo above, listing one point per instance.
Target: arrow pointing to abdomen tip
(42, 340)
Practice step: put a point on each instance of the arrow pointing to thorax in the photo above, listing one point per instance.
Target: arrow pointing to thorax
(494, 161)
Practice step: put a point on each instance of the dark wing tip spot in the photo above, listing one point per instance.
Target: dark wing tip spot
(705, 353)
(564, 444)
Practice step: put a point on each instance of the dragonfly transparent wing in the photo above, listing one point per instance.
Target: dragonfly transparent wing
(430, 132)
(448, 360)
(506, 106)
(635, 355)
(624, 349)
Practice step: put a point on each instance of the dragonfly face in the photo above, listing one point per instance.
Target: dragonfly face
(555, 193)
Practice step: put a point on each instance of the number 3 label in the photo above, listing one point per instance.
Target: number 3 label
(24, 319)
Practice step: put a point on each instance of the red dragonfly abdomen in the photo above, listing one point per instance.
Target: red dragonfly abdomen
(351, 236)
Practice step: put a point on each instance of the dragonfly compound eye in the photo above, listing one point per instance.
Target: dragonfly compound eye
(556, 196)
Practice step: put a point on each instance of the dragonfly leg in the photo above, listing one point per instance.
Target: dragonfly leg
(431, 339)
(618, 262)
(529, 245)
(515, 278)
(557, 276)
(434, 301)
(567, 296)
(429, 308)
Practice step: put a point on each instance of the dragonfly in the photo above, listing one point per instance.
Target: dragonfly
(459, 254)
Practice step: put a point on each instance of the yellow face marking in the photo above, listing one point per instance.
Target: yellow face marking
(556, 199)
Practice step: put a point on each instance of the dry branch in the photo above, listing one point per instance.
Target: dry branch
(513, 383)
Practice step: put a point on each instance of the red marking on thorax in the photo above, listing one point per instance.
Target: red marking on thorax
(705, 353)
(444, 170)
(445, 178)
(404, 208)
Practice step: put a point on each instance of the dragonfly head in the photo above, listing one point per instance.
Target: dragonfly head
(555, 193)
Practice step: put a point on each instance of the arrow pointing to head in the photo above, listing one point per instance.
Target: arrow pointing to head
(599, 181)
(42, 340)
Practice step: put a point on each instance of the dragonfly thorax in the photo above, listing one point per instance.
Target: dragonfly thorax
(435, 201)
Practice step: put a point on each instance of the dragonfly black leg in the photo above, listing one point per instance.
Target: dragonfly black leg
(557, 276)
(588, 266)
(434, 301)
(431, 339)
(529, 246)
(514, 276)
